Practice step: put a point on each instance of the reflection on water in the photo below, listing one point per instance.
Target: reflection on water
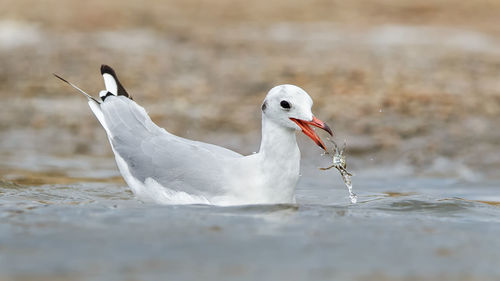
(418, 205)
(398, 194)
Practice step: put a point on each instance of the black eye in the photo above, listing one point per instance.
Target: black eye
(285, 104)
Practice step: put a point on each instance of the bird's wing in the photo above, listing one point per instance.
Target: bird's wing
(151, 152)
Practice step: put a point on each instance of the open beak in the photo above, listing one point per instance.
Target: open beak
(308, 131)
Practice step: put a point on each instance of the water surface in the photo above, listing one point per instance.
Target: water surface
(92, 228)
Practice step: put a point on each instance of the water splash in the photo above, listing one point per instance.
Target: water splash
(346, 177)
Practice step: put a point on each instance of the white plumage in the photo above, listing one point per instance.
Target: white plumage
(165, 168)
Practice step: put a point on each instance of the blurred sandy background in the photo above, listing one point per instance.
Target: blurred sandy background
(413, 85)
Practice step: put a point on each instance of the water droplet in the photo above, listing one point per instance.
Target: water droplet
(354, 198)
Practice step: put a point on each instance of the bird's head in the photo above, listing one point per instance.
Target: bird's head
(290, 106)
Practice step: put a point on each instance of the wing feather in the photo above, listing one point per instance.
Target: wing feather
(152, 152)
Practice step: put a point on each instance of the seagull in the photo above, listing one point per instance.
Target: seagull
(167, 169)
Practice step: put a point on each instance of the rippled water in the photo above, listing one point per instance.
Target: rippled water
(94, 229)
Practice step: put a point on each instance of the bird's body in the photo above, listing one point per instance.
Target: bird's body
(165, 168)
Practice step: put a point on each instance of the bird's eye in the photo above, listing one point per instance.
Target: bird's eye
(284, 104)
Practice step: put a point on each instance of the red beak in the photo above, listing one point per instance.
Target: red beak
(308, 131)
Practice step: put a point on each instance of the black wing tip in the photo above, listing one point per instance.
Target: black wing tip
(107, 95)
(107, 69)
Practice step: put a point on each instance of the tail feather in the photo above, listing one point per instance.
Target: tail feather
(78, 89)
(113, 85)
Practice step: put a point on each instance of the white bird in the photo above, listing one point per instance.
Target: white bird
(161, 167)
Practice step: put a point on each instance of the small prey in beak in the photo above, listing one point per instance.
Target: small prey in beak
(308, 131)
(339, 163)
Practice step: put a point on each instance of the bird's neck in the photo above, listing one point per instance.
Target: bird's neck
(278, 143)
(279, 162)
